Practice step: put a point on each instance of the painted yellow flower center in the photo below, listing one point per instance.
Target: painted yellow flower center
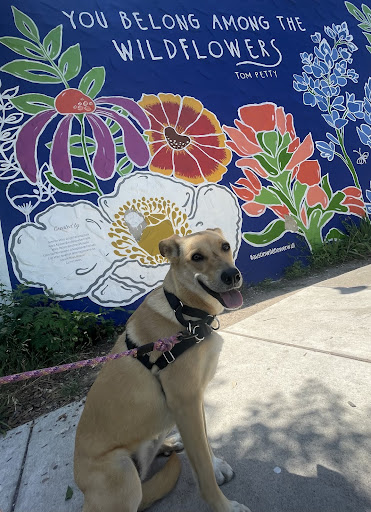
(141, 224)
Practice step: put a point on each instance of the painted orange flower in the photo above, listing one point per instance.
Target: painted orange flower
(185, 139)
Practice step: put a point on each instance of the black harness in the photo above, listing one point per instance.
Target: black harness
(196, 331)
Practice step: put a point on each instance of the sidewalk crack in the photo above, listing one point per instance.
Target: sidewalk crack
(16, 492)
(302, 347)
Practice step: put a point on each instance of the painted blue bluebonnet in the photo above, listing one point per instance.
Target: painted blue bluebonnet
(325, 72)
(364, 131)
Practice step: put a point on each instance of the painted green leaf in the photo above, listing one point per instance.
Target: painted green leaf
(112, 125)
(268, 163)
(335, 205)
(25, 25)
(315, 216)
(124, 166)
(326, 217)
(367, 35)
(365, 26)
(92, 82)
(82, 175)
(267, 196)
(285, 200)
(367, 11)
(272, 232)
(368, 48)
(311, 209)
(69, 493)
(120, 149)
(76, 147)
(271, 141)
(259, 137)
(33, 103)
(76, 187)
(286, 139)
(284, 158)
(354, 11)
(53, 42)
(32, 71)
(325, 184)
(23, 47)
(70, 62)
(283, 179)
(335, 234)
(298, 192)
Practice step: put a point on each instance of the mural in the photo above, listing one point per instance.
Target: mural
(97, 164)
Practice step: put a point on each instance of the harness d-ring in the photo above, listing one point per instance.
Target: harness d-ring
(216, 319)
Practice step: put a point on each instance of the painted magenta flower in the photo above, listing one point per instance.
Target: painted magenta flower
(264, 136)
(72, 102)
(185, 139)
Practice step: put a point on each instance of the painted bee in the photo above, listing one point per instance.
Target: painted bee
(362, 156)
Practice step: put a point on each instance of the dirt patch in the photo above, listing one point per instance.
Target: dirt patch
(21, 402)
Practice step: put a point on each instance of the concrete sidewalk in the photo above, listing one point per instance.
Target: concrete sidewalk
(289, 409)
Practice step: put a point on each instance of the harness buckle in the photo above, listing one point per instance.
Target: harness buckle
(167, 360)
(193, 330)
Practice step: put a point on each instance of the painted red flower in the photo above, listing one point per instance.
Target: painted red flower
(185, 139)
(249, 187)
(353, 201)
(308, 172)
(316, 195)
(69, 103)
(265, 117)
(280, 210)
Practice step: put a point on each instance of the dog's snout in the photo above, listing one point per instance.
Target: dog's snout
(231, 276)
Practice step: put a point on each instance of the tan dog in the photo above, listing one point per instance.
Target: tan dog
(130, 409)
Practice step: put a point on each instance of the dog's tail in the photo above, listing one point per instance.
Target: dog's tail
(161, 483)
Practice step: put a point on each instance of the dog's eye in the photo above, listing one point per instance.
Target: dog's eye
(226, 246)
(197, 257)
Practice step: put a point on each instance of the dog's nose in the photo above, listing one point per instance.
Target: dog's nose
(231, 276)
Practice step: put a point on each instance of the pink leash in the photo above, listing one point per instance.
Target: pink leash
(162, 345)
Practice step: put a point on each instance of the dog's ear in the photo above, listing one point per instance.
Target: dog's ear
(217, 230)
(169, 248)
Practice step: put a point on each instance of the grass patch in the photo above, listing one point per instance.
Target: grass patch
(36, 331)
(354, 245)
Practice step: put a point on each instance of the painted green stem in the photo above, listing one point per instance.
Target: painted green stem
(313, 237)
(52, 63)
(348, 161)
(86, 157)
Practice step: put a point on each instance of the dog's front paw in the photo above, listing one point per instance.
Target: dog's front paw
(237, 507)
(222, 470)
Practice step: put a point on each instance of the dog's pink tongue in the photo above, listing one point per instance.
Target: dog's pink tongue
(232, 299)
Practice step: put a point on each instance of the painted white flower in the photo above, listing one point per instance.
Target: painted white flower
(110, 253)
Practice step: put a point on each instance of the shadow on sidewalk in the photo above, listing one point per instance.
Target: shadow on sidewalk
(311, 430)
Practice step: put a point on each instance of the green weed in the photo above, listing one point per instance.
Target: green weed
(355, 244)
(36, 331)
